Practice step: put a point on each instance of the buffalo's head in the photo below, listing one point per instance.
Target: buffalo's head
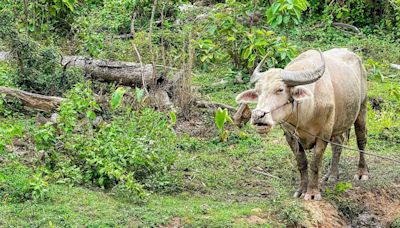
(274, 93)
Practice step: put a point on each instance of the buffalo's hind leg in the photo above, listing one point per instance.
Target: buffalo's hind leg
(333, 173)
(361, 135)
(301, 159)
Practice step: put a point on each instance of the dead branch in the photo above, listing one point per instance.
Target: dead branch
(33, 100)
(214, 105)
(264, 173)
(343, 25)
(395, 66)
(242, 115)
(124, 36)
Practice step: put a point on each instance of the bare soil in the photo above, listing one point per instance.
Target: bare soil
(377, 208)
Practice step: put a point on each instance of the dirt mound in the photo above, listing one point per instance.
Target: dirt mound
(379, 207)
(323, 214)
(358, 208)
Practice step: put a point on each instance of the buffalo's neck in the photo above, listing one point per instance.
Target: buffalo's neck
(302, 113)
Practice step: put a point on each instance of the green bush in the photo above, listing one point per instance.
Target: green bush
(42, 17)
(374, 16)
(38, 66)
(8, 131)
(231, 39)
(39, 69)
(132, 151)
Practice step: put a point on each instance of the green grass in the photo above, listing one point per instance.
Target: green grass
(74, 206)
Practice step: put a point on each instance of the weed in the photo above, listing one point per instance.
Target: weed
(221, 117)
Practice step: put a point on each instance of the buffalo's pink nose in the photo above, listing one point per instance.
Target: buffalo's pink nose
(258, 117)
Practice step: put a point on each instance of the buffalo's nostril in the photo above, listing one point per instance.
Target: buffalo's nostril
(258, 115)
(262, 115)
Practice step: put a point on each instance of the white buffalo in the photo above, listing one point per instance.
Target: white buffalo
(316, 98)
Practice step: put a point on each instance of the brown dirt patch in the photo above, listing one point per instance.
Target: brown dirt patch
(323, 214)
(377, 208)
(175, 222)
(380, 207)
(198, 124)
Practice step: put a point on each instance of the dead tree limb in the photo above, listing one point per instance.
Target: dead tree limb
(33, 100)
(343, 25)
(264, 173)
(395, 66)
(124, 36)
(214, 105)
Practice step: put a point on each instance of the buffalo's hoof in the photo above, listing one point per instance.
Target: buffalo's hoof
(313, 196)
(363, 177)
(298, 194)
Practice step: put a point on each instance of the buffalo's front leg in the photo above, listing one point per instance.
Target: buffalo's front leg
(313, 192)
(301, 159)
(333, 173)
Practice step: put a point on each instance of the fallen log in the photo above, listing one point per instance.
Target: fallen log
(33, 100)
(124, 73)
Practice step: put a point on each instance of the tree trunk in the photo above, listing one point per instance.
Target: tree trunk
(124, 73)
(33, 100)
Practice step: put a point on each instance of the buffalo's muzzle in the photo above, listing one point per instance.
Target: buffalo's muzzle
(261, 121)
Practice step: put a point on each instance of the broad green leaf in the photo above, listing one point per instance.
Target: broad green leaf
(247, 52)
(298, 14)
(275, 7)
(227, 117)
(286, 19)
(231, 38)
(279, 19)
(91, 115)
(139, 94)
(117, 96)
(219, 118)
(172, 117)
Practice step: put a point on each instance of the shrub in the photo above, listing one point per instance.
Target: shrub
(42, 17)
(230, 39)
(38, 67)
(374, 15)
(8, 131)
(127, 152)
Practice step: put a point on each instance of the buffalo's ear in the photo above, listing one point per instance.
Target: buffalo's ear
(300, 93)
(248, 96)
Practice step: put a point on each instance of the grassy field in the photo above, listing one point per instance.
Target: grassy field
(218, 187)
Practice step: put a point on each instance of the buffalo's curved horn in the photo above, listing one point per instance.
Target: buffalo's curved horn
(295, 78)
(256, 73)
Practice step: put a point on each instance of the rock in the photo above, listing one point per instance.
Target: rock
(239, 79)
(253, 219)
(256, 211)
(54, 118)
